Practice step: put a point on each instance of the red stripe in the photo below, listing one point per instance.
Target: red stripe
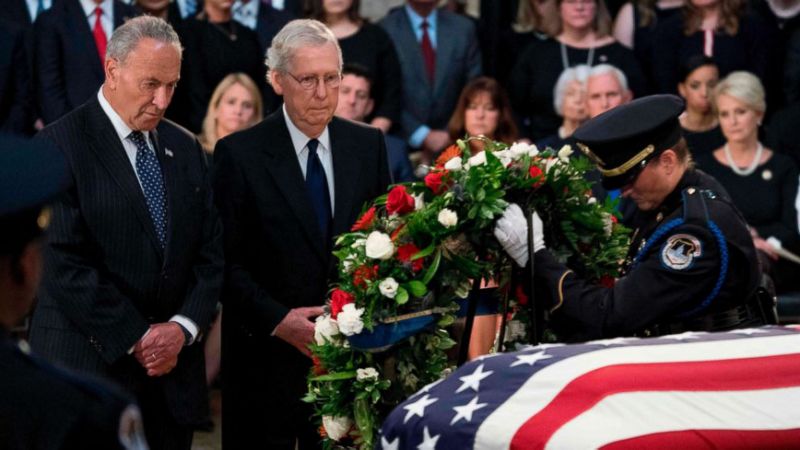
(724, 375)
(713, 439)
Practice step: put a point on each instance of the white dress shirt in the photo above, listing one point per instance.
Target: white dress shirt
(300, 144)
(123, 132)
(246, 13)
(106, 20)
(33, 7)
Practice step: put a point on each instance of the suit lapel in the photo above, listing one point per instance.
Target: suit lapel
(106, 145)
(83, 35)
(282, 166)
(409, 40)
(444, 46)
(346, 169)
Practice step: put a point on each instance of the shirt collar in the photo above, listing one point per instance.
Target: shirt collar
(416, 19)
(122, 128)
(89, 6)
(300, 140)
(246, 9)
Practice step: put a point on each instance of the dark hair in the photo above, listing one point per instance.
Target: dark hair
(357, 70)
(506, 128)
(315, 10)
(693, 63)
(730, 13)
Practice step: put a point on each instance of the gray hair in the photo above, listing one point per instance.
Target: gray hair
(578, 73)
(743, 86)
(128, 36)
(608, 69)
(295, 35)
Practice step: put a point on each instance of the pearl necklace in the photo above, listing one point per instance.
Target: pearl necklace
(753, 165)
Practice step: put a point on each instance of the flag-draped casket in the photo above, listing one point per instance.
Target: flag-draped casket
(737, 389)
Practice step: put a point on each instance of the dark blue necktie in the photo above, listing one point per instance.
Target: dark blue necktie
(149, 171)
(317, 185)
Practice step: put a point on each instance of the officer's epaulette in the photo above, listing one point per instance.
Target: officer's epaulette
(695, 207)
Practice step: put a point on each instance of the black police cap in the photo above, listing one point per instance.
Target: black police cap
(31, 173)
(621, 141)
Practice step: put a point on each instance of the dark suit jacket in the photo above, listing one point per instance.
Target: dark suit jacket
(106, 278)
(68, 68)
(16, 109)
(17, 12)
(458, 60)
(277, 258)
(268, 23)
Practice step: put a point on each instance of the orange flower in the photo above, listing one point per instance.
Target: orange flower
(448, 154)
(365, 221)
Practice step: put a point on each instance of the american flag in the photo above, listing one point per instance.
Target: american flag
(735, 390)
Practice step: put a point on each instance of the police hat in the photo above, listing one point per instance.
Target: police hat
(621, 141)
(31, 173)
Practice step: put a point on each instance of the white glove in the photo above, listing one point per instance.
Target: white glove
(510, 231)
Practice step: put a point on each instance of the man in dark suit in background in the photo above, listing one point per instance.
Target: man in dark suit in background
(439, 54)
(16, 109)
(42, 407)
(262, 18)
(284, 188)
(134, 256)
(70, 41)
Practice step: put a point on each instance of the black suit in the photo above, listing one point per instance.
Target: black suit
(277, 259)
(17, 11)
(68, 68)
(106, 278)
(16, 110)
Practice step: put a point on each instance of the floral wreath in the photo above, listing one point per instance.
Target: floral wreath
(414, 254)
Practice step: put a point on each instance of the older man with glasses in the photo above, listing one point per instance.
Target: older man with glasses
(284, 188)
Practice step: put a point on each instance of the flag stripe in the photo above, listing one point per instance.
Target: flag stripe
(714, 439)
(585, 391)
(539, 389)
(627, 416)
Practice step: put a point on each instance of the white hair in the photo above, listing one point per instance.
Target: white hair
(745, 87)
(608, 69)
(295, 35)
(578, 73)
(128, 36)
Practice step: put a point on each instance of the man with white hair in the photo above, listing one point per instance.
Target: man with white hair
(284, 188)
(134, 253)
(606, 88)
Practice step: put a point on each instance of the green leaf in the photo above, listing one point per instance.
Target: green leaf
(446, 320)
(336, 376)
(433, 267)
(402, 296)
(417, 288)
(424, 252)
(364, 421)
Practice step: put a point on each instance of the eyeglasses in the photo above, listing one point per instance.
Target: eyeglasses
(310, 82)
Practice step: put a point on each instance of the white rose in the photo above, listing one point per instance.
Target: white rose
(448, 218)
(551, 163)
(349, 320)
(521, 148)
(336, 427)
(565, 153)
(608, 224)
(366, 374)
(477, 160)
(504, 156)
(379, 246)
(419, 202)
(454, 164)
(591, 201)
(388, 287)
(325, 328)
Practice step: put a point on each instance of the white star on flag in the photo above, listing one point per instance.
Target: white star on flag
(418, 407)
(465, 411)
(428, 441)
(387, 445)
(685, 336)
(474, 380)
(529, 359)
(427, 388)
(748, 331)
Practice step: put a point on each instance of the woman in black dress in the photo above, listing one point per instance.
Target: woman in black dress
(369, 46)
(762, 183)
(583, 37)
(534, 21)
(699, 75)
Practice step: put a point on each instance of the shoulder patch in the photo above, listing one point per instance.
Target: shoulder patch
(680, 250)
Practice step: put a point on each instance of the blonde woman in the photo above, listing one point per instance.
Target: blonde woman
(235, 105)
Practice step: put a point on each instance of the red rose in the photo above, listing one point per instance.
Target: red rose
(404, 254)
(435, 181)
(614, 219)
(399, 201)
(339, 298)
(365, 221)
(536, 173)
(317, 369)
(607, 281)
(522, 298)
(364, 273)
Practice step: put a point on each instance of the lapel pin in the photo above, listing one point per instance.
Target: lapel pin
(168, 152)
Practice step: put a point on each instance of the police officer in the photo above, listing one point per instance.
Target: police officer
(42, 407)
(691, 265)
